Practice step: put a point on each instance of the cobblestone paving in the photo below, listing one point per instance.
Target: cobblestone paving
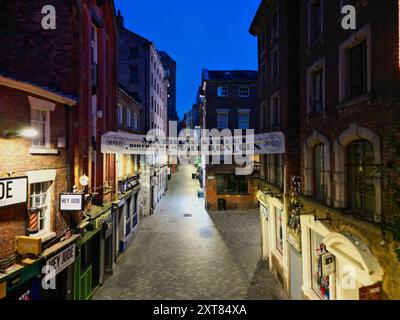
(203, 256)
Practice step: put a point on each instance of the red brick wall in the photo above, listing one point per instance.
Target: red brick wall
(380, 114)
(232, 201)
(16, 160)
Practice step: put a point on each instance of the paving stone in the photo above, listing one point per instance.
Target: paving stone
(207, 256)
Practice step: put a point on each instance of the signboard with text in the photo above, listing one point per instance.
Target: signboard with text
(13, 191)
(62, 260)
(72, 202)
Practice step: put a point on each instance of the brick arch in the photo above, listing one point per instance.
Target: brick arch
(308, 150)
(355, 133)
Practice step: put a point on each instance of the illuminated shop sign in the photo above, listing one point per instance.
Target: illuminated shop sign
(13, 191)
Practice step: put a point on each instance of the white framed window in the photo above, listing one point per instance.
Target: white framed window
(40, 121)
(279, 230)
(120, 114)
(223, 91)
(355, 65)
(128, 118)
(244, 119)
(315, 20)
(40, 198)
(275, 25)
(222, 119)
(316, 87)
(244, 92)
(94, 54)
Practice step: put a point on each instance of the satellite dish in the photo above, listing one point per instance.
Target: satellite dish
(84, 180)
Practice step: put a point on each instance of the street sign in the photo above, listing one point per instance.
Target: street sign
(72, 202)
(13, 191)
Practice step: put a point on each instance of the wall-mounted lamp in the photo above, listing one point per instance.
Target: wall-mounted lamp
(25, 133)
(29, 133)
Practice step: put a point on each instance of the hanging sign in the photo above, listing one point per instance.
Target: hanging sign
(127, 143)
(328, 264)
(62, 260)
(373, 292)
(72, 202)
(13, 191)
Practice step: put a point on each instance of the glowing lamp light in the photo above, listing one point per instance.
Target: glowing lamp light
(29, 133)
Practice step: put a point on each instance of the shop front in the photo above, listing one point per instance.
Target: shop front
(58, 261)
(337, 265)
(88, 265)
(23, 284)
(273, 235)
(128, 216)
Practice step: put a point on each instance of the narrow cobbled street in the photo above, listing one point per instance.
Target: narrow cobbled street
(184, 252)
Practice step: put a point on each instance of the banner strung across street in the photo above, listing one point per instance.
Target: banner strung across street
(208, 144)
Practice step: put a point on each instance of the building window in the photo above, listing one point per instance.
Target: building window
(317, 96)
(128, 118)
(135, 122)
(134, 53)
(357, 70)
(315, 20)
(278, 168)
(40, 121)
(319, 166)
(275, 64)
(94, 55)
(223, 91)
(40, 198)
(133, 74)
(275, 26)
(362, 172)
(222, 120)
(232, 184)
(264, 75)
(244, 92)
(279, 229)
(120, 114)
(275, 112)
(244, 120)
(316, 87)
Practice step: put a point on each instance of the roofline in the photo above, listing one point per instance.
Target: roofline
(123, 90)
(137, 35)
(30, 88)
(262, 8)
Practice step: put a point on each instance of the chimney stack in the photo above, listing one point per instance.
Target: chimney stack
(120, 19)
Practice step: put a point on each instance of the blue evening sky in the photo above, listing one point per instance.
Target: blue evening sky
(210, 34)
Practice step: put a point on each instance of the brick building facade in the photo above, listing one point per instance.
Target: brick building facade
(76, 61)
(345, 101)
(230, 103)
(275, 26)
(141, 73)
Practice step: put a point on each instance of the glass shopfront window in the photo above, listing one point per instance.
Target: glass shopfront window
(321, 285)
(279, 229)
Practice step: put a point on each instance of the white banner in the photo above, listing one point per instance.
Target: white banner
(13, 191)
(126, 143)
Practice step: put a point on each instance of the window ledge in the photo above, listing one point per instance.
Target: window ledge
(45, 236)
(34, 150)
(354, 101)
